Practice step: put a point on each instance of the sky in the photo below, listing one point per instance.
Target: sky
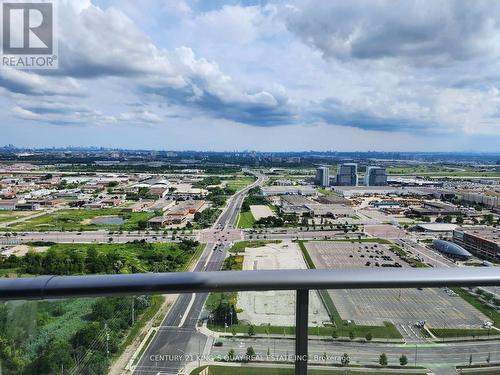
(264, 75)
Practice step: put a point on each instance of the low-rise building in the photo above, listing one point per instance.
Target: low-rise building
(358, 191)
(481, 241)
(9, 204)
(289, 190)
(491, 200)
(27, 206)
(158, 190)
(436, 208)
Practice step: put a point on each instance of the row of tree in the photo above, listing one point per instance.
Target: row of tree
(135, 257)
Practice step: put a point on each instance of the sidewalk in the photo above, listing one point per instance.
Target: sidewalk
(190, 367)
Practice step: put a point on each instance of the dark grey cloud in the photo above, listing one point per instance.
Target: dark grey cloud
(22, 82)
(418, 32)
(246, 108)
(333, 111)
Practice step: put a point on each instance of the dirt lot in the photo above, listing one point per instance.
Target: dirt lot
(260, 211)
(276, 307)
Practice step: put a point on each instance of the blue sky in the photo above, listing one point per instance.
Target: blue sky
(285, 75)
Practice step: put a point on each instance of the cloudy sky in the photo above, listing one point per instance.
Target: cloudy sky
(285, 75)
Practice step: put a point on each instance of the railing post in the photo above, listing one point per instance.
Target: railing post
(301, 331)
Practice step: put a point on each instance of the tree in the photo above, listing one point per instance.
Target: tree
(86, 336)
(383, 359)
(251, 330)
(403, 360)
(58, 356)
(230, 355)
(368, 336)
(345, 359)
(250, 354)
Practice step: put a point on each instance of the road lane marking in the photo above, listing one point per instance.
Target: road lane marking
(186, 313)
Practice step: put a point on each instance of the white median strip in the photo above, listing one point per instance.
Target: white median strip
(186, 313)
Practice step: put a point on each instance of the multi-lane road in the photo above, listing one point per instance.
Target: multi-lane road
(428, 354)
(177, 336)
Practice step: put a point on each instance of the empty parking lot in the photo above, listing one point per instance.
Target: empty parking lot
(399, 306)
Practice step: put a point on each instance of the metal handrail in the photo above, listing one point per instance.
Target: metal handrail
(300, 280)
(43, 287)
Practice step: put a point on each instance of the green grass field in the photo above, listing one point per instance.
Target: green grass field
(459, 332)
(242, 245)
(79, 220)
(226, 370)
(12, 215)
(485, 309)
(326, 192)
(427, 170)
(387, 332)
(240, 182)
(246, 220)
(482, 371)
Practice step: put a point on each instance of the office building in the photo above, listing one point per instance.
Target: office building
(323, 176)
(347, 174)
(375, 176)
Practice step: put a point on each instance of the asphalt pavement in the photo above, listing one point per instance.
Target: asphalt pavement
(177, 339)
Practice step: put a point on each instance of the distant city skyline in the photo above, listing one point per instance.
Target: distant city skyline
(265, 76)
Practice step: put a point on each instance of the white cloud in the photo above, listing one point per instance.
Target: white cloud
(417, 68)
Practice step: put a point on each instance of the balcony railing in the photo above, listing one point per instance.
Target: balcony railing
(50, 287)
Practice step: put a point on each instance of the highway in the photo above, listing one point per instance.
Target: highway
(177, 335)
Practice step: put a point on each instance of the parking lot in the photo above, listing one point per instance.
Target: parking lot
(328, 254)
(399, 306)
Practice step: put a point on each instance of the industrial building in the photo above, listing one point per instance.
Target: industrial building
(375, 176)
(436, 208)
(357, 191)
(286, 190)
(481, 241)
(300, 205)
(323, 176)
(347, 174)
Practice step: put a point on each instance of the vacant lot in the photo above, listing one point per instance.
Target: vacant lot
(259, 211)
(240, 182)
(6, 216)
(276, 307)
(80, 219)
